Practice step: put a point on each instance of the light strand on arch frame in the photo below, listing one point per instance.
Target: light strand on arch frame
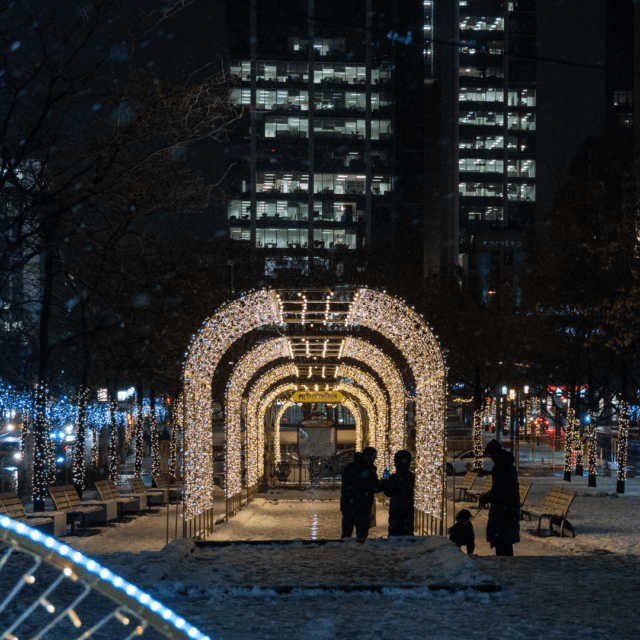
(367, 404)
(357, 418)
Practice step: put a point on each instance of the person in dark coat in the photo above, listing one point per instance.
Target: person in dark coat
(462, 532)
(359, 484)
(400, 487)
(503, 527)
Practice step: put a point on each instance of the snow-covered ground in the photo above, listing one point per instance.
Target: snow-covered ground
(554, 588)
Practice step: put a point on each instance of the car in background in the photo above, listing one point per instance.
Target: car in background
(464, 461)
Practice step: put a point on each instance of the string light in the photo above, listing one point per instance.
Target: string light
(623, 435)
(79, 445)
(139, 441)
(569, 439)
(155, 442)
(379, 440)
(477, 439)
(242, 373)
(113, 441)
(392, 381)
(357, 417)
(276, 430)
(592, 458)
(367, 404)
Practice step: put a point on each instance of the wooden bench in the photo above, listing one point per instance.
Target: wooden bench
(555, 507)
(524, 491)
(108, 490)
(12, 507)
(67, 500)
(138, 487)
(482, 488)
(469, 479)
(162, 482)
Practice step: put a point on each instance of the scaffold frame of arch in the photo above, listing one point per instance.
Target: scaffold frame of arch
(412, 336)
(242, 373)
(357, 417)
(367, 404)
(379, 400)
(254, 460)
(379, 362)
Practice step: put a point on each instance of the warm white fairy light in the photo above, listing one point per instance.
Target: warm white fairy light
(410, 334)
(477, 439)
(113, 441)
(209, 345)
(592, 457)
(254, 432)
(379, 400)
(569, 439)
(383, 365)
(367, 404)
(263, 405)
(155, 440)
(242, 373)
(79, 446)
(95, 452)
(623, 435)
(357, 417)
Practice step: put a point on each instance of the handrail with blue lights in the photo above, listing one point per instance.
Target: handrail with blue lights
(76, 567)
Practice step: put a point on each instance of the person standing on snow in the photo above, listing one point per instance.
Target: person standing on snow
(400, 488)
(359, 484)
(503, 527)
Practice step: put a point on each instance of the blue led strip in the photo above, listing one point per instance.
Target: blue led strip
(44, 546)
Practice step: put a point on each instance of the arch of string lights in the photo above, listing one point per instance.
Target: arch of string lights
(372, 309)
(379, 400)
(263, 405)
(242, 373)
(254, 458)
(357, 417)
(411, 335)
(367, 405)
(381, 363)
(215, 337)
(276, 431)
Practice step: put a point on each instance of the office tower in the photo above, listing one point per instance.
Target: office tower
(329, 165)
(495, 130)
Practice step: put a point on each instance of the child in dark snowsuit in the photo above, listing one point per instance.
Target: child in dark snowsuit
(462, 531)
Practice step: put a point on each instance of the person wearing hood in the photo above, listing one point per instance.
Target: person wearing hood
(400, 488)
(359, 484)
(503, 526)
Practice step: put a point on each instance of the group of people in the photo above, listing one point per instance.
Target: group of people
(360, 483)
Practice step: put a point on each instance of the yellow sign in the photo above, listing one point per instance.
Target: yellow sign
(325, 397)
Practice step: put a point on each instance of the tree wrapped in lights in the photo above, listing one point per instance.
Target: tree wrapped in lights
(623, 435)
(155, 438)
(569, 441)
(41, 450)
(138, 421)
(95, 449)
(79, 446)
(113, 440)
(478, 448)
(173, 453)
(591, 439)
(392, 381)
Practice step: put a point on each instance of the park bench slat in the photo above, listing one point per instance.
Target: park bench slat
(487, 482)
(524, 491)
(138, 486)
(469, 479)
(12, 507)
(107, 490)
(67, 500)
(555, 507)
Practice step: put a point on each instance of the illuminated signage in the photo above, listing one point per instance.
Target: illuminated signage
(318, 396)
